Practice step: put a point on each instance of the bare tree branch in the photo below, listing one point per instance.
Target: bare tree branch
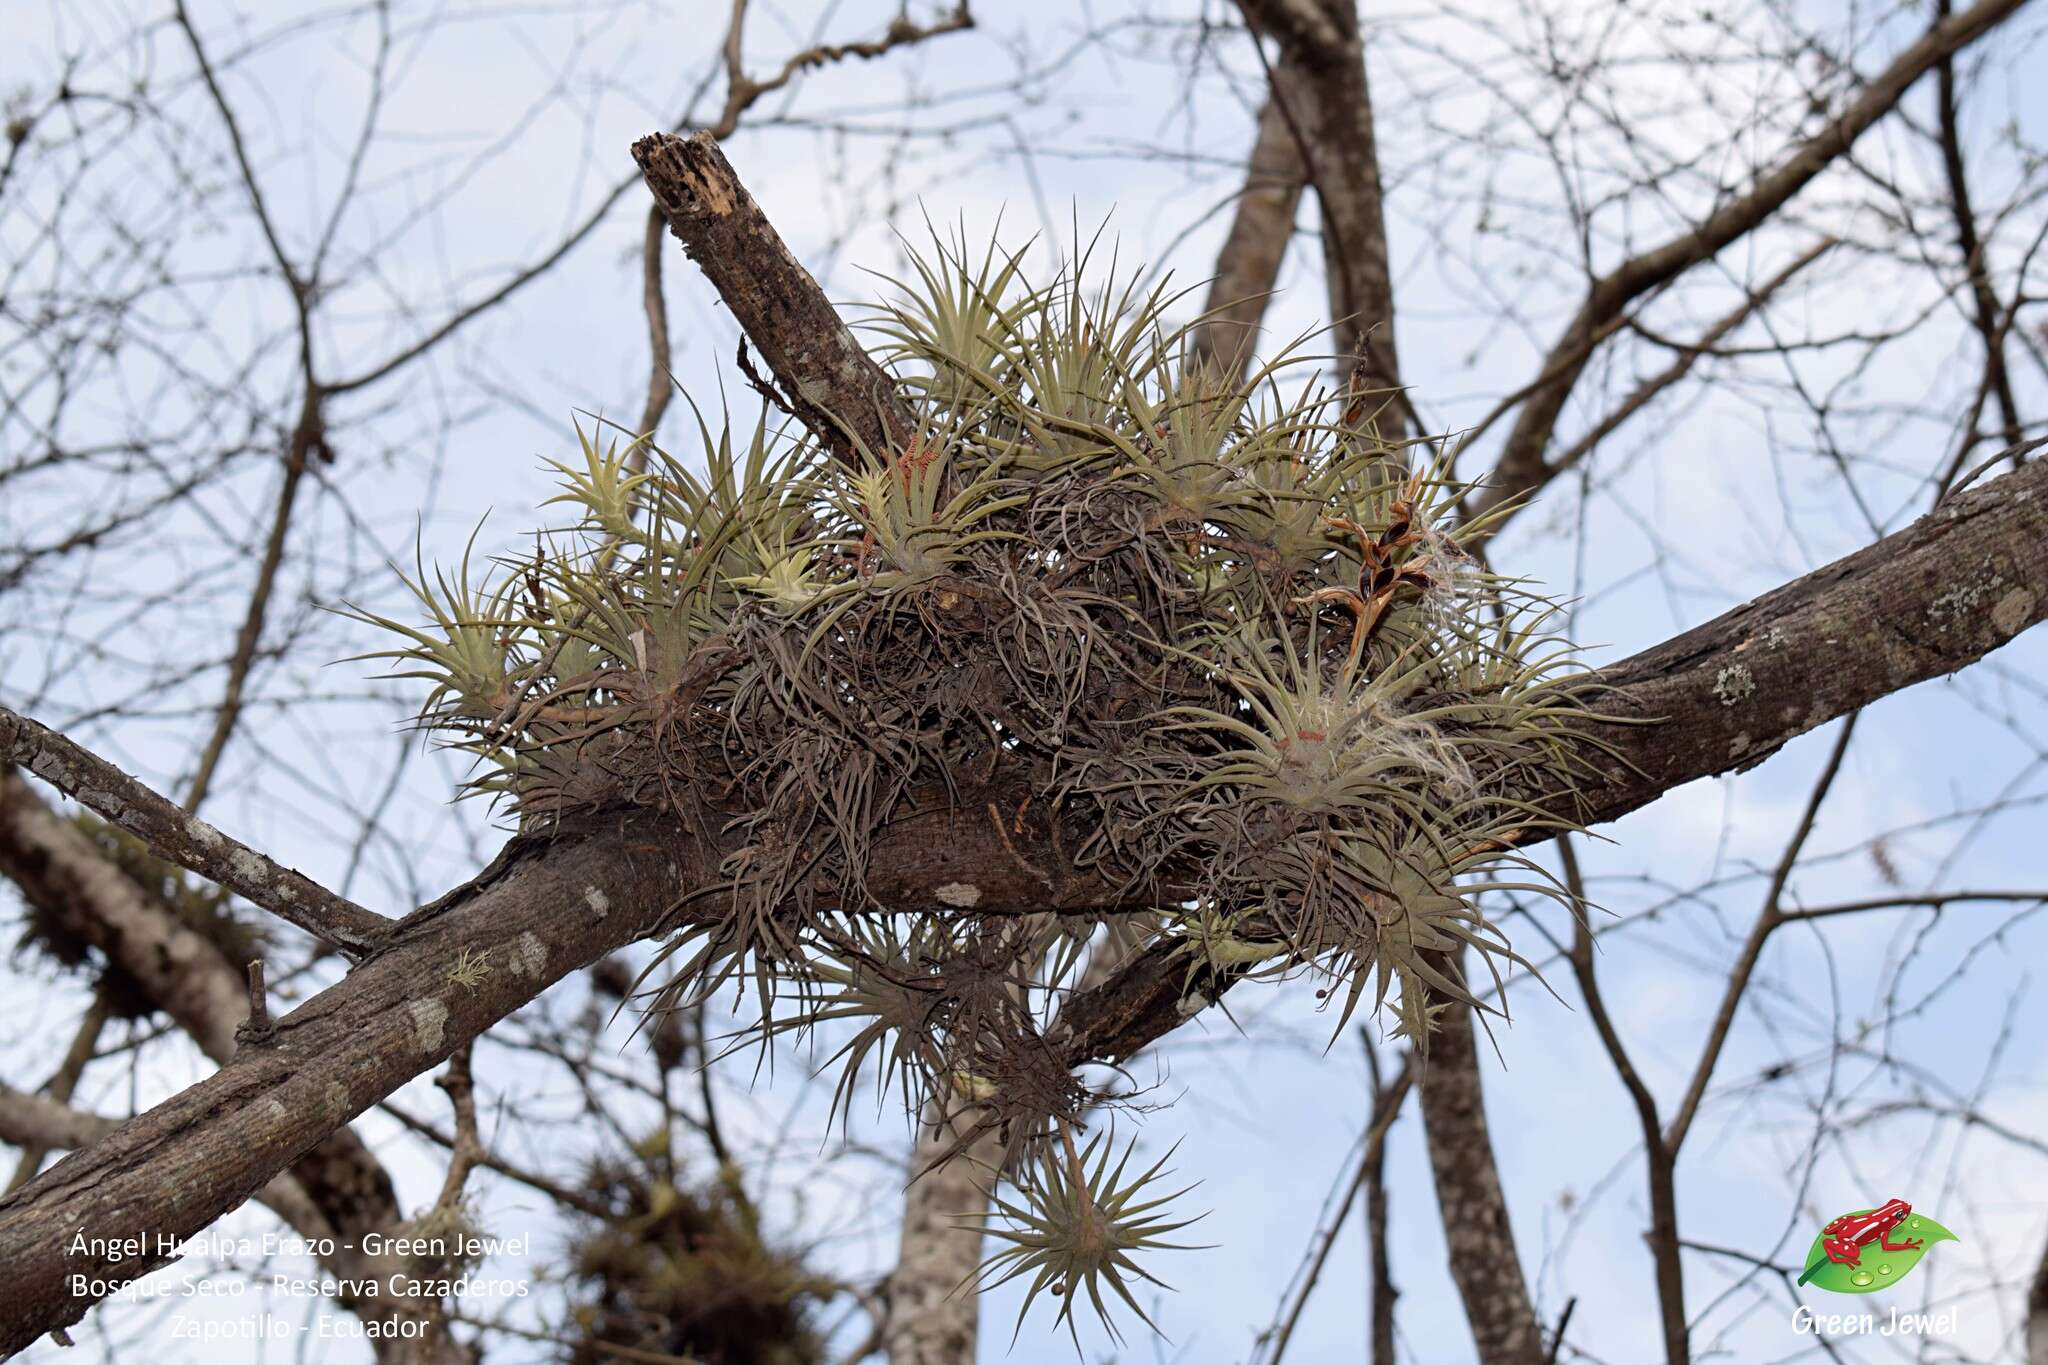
(1479, 1239)
(934, 1311)
(183, 838)
(1936, 596)
(1320, 40)
(183, 974)
(1520, 467)
(61, 1086)
(1933, 597)
(1249, 262)
(827, 379)
(45, 1123)
(1491, 495)
(742, 90)
(1369, 1175)
(1985, 311)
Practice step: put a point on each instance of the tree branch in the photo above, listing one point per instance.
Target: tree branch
(1479, 1238)
(1986, 311)
(826, 378)
(1934, 596)
(38, 1122)
(185, 839)
(1328, 107)
(1249, 262)
(60, 1087)
(1918, 604)
(1496, 491)
(184, 975)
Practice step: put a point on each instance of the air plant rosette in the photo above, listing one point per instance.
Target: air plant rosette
(1230, 640)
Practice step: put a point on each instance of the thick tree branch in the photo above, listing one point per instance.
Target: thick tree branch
(39, 1122)
(1933, 598)
(542, 910)
(1478, 1236)
(742, 92)
(1919, 604)
(826, 378)
(932, 1319)
(182, 973)
(182, 838)
(1327, 107)
(1249, 263)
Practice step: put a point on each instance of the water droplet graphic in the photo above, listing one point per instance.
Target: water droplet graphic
(1862, 1277)
(1916, 1222)
(1884, 1270)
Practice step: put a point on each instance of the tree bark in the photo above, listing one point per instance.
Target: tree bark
(934, 1313)
(930, 1318)
(1474, 1209)
(41, 1122)
(1329, 111)
(183, 838)
(1249, 263)
(826, 379)
(1918, 604)
(535, 915)
(186, 976)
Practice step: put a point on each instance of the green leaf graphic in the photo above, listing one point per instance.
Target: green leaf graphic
(1877, 1268)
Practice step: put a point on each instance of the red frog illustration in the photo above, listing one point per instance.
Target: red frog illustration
(1844, 1239)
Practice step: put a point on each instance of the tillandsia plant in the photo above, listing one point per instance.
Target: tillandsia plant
(1227, 639)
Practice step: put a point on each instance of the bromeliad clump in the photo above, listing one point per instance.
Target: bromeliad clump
(1226, 640)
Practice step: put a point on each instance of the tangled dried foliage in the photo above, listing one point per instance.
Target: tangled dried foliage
(1228, 637)
(683, 1271)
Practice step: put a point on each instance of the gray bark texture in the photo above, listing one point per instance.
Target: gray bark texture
(934, 1313)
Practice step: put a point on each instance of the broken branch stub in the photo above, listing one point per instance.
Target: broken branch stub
(824, 375)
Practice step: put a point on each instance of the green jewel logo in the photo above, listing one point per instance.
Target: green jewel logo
(1868, 1249)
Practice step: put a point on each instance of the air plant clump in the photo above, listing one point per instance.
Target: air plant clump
(1076, 1226)
(195, 904)
(1228, 639)
(683, 1270)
